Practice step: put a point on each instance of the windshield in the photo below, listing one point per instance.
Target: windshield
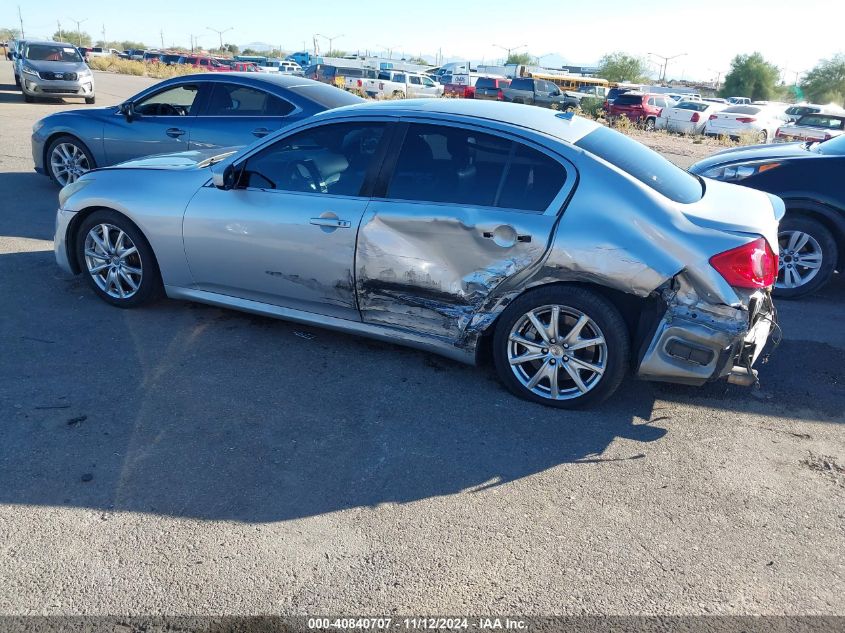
(833, 147)
(52, 53)
(645, 165)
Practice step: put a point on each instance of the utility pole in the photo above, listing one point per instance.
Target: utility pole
(59, 23)
(161, 33)
(220, 34)
(389, 50)
(666, 61)
(510, 49)
(20, 17)
(79, 30)
(103, 32)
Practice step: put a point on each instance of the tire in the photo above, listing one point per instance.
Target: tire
(603, 322)
(70, 154)
(763, 137)
(818, 251)
(650, 124)
(90, 100)
(17, 81)
(28, 99)
(129, 278)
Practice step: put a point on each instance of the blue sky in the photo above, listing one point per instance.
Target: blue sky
(710, 32)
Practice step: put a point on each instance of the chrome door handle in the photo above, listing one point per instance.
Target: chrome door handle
(331, 222)
(260, 131)
(174, 132)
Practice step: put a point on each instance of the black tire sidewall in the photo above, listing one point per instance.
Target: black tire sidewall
(150, 280)
(599, 309)
(66, 138)
(830, 254)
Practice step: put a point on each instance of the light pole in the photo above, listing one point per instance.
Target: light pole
(543, 56)
(330, 39)
(78, 30)
(389, 50)
(220, 34)
(666, 61)
(510, 49)
(719, 74)
(194, 40)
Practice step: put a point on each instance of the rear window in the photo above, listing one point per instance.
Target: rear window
(801, 110)
(326, 96)
(628, 99)
(692, 105)
(645, 165)
(485, 82)
(742, 109)
(521, 84)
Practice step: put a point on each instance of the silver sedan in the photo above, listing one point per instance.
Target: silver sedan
(567, 252)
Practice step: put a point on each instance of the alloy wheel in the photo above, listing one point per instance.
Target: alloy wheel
(113, 261)
(68, 163)
(557, 352)
(800, 259)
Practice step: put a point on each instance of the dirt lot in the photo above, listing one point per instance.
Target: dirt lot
(183, 459)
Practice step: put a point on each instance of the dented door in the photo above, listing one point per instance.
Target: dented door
(448, 234)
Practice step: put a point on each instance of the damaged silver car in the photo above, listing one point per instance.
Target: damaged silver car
(564, 251)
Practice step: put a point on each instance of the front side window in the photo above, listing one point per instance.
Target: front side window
(50, 53)
(234, 100)
(176, 101)
(428, 83)
(457, 166)
(414, 80)
(330, 159)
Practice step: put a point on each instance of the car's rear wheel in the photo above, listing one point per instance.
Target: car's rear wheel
(649, 124)
(763, 136)
(807, 258)
(67, 160)
(117, 260)
(561, 346)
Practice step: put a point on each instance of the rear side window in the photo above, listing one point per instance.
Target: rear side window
(456, 166)
(485, 82)
(645, 165)
(522, 84)
(628, 100)
(234, 100)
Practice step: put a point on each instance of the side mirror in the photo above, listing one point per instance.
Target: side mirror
(223, 178)
(128, 110)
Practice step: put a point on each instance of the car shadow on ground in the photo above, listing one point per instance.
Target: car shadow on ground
(187, 410)
(28, 205)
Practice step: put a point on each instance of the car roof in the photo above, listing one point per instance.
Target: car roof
(546, 121)
(48, 43)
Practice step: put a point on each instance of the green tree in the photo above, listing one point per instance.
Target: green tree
(69, 35)
(9, 34)
(620, 66)
(751, 76)
(520, 58)
(826, 82)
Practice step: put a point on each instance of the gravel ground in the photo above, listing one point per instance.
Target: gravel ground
(182, 459)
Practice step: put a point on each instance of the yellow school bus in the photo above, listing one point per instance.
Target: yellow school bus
(571, 82)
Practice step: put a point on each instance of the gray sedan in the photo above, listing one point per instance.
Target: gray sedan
(199, 111)
(565, 251)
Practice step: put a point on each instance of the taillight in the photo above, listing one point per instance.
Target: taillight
(746, 119)
(713, 117)
(751, 265)
(660, 112)
(468, 92)
(779, 134)
(360, 83)
(500, 95)
(695, 117)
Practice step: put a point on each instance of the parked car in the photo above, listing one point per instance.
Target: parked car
(564, 293)
(683, 96)
(640, 107)
(53, 70)
(491, 88)
(797, 111)
(98, 51)
(205, 62)
(739, 100)
(536, 92)
(459, 91)
(813, 128)
(686, 117)
(761, 121)
(153, 57)
(168, 59)
(807, 177)
(183, 113)
(134, 54)
(400, 84)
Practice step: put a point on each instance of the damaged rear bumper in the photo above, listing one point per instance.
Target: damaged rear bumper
(695, 343)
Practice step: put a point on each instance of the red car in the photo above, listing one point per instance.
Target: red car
(640, 107)
(202, 61)
(459, 91)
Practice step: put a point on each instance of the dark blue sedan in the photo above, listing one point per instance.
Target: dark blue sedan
(192, 112)
(808, 177)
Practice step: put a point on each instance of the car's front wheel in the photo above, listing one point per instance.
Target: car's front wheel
(807, 257)
(562, 346)
(117, 260)
(67, 160)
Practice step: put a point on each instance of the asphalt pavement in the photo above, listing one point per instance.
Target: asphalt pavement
(182, 459)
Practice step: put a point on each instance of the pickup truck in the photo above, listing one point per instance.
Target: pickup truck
(207, 63)
(539, 92)
(102, 52)
(400, 85)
